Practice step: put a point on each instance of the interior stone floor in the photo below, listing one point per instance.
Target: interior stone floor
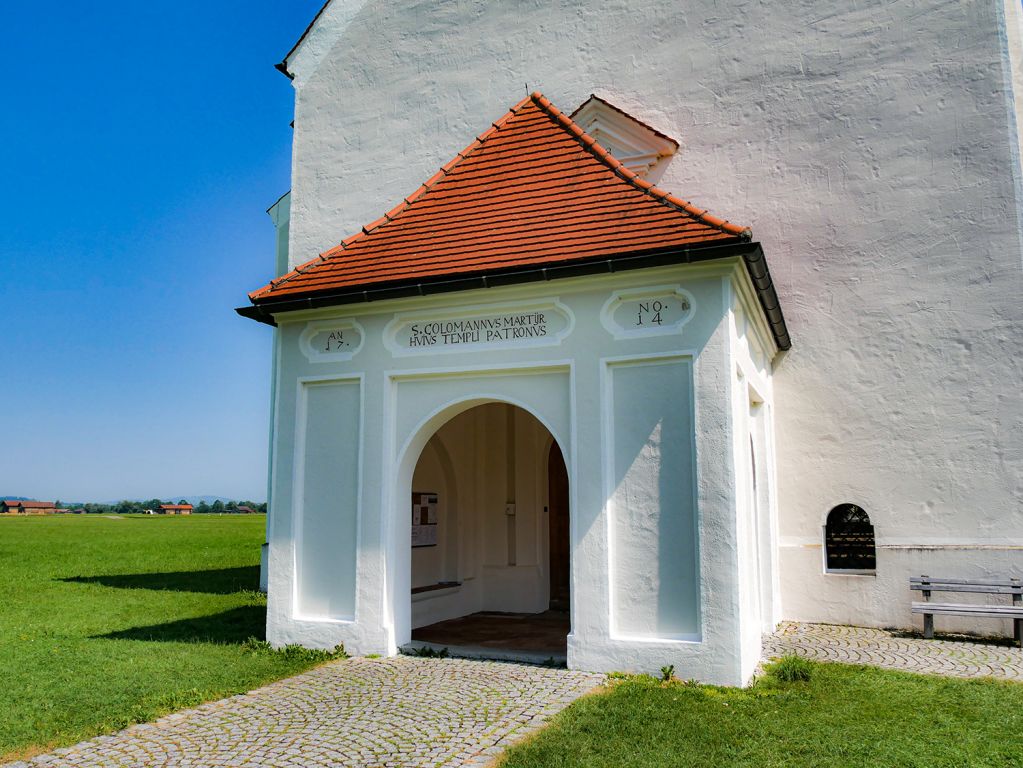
(542, 634)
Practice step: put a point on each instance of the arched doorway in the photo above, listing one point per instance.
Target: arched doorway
(490, 542)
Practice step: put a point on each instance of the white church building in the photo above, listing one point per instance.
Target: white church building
(621, 332)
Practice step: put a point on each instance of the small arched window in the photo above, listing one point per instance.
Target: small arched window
(849, 540)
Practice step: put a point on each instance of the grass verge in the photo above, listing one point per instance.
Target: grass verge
(800, 714)
(105, 622)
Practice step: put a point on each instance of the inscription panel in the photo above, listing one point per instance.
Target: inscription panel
(651, 311)
(331, 341)
(495, 326)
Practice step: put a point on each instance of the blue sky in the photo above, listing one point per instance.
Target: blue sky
(140, 145)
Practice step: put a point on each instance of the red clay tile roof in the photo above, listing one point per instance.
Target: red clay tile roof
(532, 190)
(175, 506)
(31, 504)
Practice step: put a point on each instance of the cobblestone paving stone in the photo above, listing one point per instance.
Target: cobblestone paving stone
(359, 713)
(895, 650)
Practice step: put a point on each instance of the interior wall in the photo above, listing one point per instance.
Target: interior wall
(430, 564)
(478, 463)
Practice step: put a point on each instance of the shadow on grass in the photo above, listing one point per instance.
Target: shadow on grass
(220, 581)
(226, 628)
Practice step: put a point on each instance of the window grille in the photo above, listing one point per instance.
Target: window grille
(849, 540)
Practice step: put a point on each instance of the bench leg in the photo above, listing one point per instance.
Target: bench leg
(929, 625)
(1017, 631)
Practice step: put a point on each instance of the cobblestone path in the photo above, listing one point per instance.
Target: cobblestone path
(894, 650)
(398, 712)
(358, 713)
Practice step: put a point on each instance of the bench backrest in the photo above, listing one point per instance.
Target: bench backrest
(985, 586)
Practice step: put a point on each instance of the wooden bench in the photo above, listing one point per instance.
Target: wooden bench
(1013, 587)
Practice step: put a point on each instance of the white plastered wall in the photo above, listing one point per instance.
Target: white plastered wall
(753, 456)
(280, 215)
(651, 470)
(872, 148)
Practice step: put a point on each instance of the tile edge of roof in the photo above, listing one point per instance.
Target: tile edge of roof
(401, 207)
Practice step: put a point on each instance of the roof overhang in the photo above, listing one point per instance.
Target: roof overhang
(319, 38)
(282, 66)
(751, 253)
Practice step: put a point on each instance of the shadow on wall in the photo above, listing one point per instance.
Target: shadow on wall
(226, 628)
(220, 581)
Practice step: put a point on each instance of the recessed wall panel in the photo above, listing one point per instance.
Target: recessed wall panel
(654, 573)
(329, 499)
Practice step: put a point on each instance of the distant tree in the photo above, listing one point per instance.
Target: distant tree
(152, 504)
(203, 508)
(182, 501)
(261, 507)
(217, 507)
(231, 508)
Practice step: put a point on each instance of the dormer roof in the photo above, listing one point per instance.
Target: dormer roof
(643, 149)
(534, 189)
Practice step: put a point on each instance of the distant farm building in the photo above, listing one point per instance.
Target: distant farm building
(17, 507)
(246, 510)
(174, 509)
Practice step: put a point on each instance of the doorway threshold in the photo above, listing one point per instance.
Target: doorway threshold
(480, 652)
(530, 638)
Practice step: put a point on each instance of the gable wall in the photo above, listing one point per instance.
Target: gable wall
(871, 148)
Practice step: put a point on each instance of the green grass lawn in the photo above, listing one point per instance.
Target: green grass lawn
(105, 622)
(843, 716)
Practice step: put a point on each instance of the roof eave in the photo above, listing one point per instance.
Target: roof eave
(751, 253)
(283, 65)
